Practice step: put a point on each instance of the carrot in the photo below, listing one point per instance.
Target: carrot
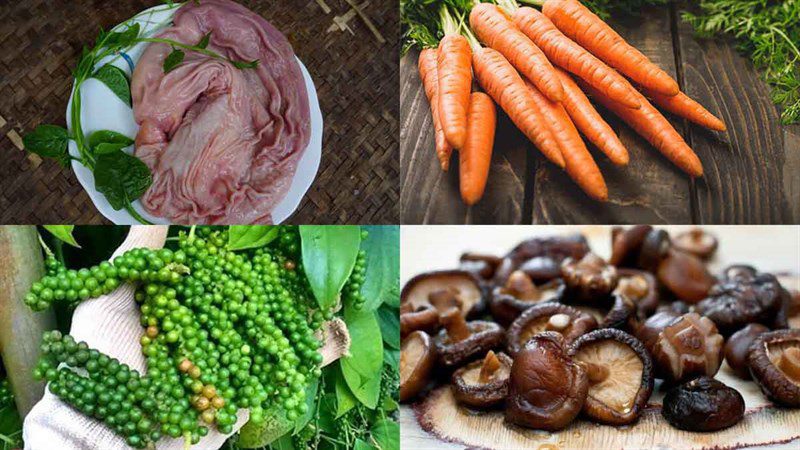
(502, 82)
(589, 122)
(564, 52)
(496, 30)
(476, 154)
(588, 30)
(428, 73)
(655, 128)
(684, 106)
(455, 81)
(580, 164)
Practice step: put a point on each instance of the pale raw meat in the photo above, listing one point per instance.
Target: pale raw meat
(223, 143)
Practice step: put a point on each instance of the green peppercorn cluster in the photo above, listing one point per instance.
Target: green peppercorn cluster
(73, 286)
(351, 291)
(222, 330)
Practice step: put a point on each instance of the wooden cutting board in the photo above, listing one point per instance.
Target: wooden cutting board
(775, 249)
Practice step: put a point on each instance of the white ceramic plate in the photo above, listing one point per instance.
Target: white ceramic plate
(102, 110)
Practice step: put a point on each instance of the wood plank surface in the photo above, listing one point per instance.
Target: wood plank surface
(752, 172)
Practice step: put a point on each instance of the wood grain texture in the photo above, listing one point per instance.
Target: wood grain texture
(752, 172)
(431, 195)
(649, 189)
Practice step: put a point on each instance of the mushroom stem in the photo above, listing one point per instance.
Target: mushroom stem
(596, 372)
(789, 363)
(489, 366)
(445, 299)
(557, 322)
(519, 285)
(457, 328)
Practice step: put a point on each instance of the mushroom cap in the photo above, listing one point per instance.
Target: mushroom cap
(484, 336)
(417, 358)
(737, 348)
(424, 317)
(589, 279)
(685, 275)
(686, 348)
(556, 247)
(482, 265)
(655, 247)
(735, 303)
(537, 319)
(619, 394)
(468, 389)
(464, 284)
(640, 286)
(626, 244)
(546, 389)
(765, 360)
(703, 404)
(697, 242)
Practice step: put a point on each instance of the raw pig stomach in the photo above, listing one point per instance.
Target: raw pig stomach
(222, 143)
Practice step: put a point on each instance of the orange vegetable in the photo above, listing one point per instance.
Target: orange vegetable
(684, 106)
(589, 122)
(455, 84)
(580, 164)
(588, 30)
(502, 82)
(564, 52)
(476, 155)
(428, 73)
(496, 30)
(654, 127)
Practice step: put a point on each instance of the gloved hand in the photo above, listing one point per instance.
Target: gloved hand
(111, 325)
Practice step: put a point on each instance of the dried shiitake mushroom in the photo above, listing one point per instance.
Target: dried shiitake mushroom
(626, 244)
(460, 341)
(655, 248)
(547, 389)
(686, 348)
(696, 241)
(424, 317)
(482, 265)
(732, 304)
(460, 286)
(589, 279)
(417, 358)
(639, 286)
(685, 276)
(737, 348)
(620, 375)
(563, 319)
(703, 404)
(557, 247)
(622, 314)
(739, 272)
(520, 293)
(541, 269)
(649, 331)
(484, 383)
(775, 365)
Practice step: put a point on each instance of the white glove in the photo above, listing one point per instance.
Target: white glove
(111, 325)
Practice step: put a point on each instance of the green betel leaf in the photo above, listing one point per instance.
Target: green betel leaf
(382, 279)
(122, 178)
(106, 148)
(173, 60)
(64, 233)
(256, 435)
(311, 397)
(123, 39)
(386, 434)
(362, 368)
(108, 137)
(242, 237)
(388, 319)
(205, 41)
(49, 141)
(116, 80)
(329, 254)
(345, 400)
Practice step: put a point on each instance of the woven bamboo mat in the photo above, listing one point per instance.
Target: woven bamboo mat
(356, 78)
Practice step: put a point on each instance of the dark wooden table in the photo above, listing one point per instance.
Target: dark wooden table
(752, 172)
(355, 76)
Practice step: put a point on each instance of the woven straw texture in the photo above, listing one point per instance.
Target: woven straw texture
(355, 74)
